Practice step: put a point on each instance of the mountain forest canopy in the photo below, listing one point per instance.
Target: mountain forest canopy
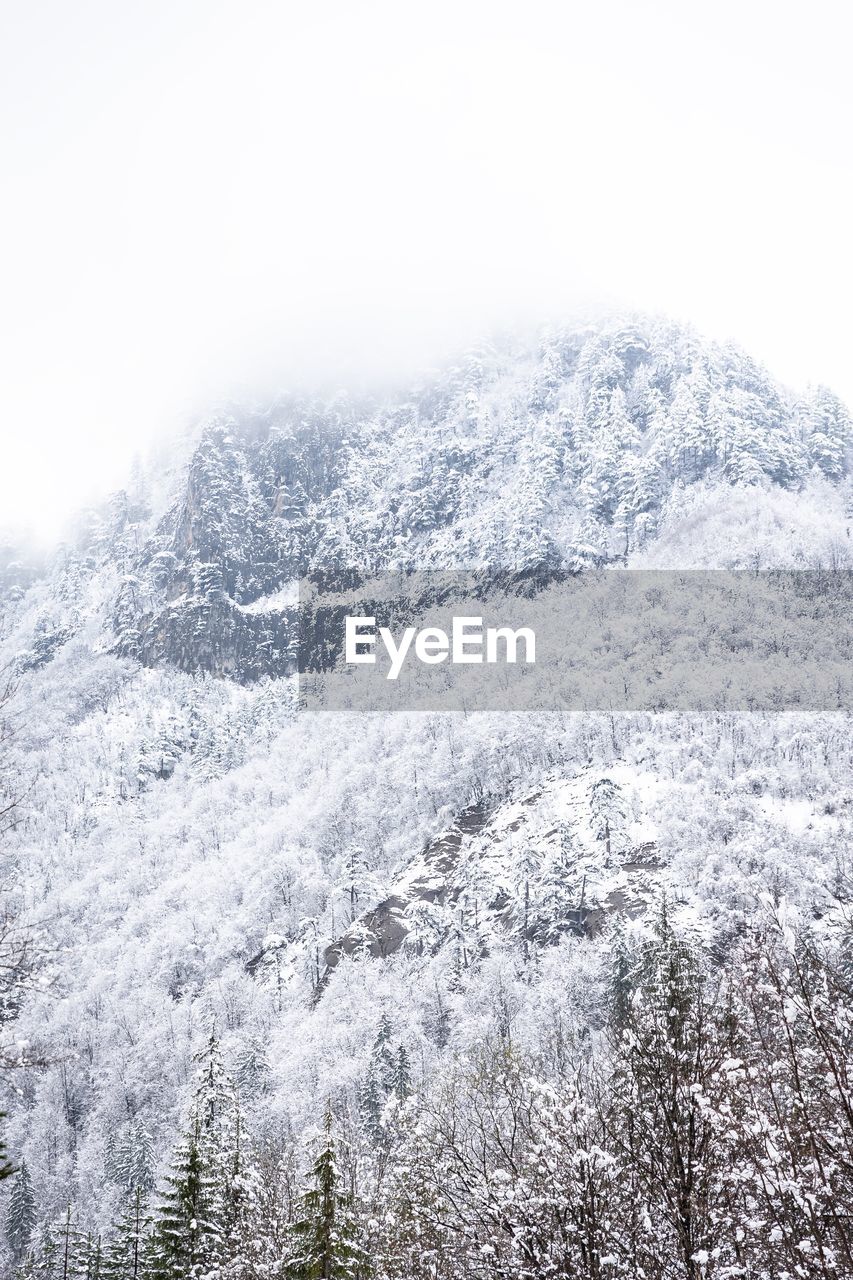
(440, 995)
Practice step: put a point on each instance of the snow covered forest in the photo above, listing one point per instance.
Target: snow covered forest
(492, 996)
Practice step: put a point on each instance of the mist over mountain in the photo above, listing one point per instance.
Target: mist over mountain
(426, 995)
(579, 447)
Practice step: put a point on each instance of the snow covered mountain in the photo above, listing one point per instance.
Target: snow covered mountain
(573, 449)
(430, 963)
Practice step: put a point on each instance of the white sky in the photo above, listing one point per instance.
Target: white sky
(204, 196)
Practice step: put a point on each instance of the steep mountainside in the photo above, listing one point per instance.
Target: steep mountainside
(568, 450)
(214, 906)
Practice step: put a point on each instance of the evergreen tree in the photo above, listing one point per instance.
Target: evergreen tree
(194, 1222)
(664, 1124)
(382, 1054)
(89, 1260)
(402, 1079)
(608, 813)
(133, 1157)
(20, 1213)
(325, 1238)
(71, 1253)
(692, 444)
(829, 432)
(370, 1100)
(188, 1237)
(560, 892)
(45, 1258)
(621, 980)
(252, 1070)
(531, 548)
(589, 547)
(124, 1258)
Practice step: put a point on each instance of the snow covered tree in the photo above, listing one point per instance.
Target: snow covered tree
(621, 979)
(194, 1220)
(66, 1251)
(252, 1068)
(589, 546)
(125, 1257)
(402, 1075)
(688, 442)
(325, 1238)
(388, 1075)
(523, 872)
(371, 1097)
(44, 1259)
(607, 809)
(829, 432)
(664, 1125)
(382, 1055)
(131, 1157)
(531, 549)
(559, 900)
(20, 1212)
(90, 1256)
(791, 1106)
(188, 1238)
(357, 886)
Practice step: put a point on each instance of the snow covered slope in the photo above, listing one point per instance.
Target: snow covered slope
(190, 853)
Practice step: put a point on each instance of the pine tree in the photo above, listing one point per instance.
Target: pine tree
(608, 813)
(45, 1259)
(370, 1100)
(560, 891)
(402, 1078)
(608, 463)
(589, 546)
(20, 1213)
(195, 1219)
(188, 1239)
(559, 897)
(621, 980)
(124, 1258)
(139, 1171)
(664, 1123)
(749, 438)
(252, 1070)
(89, 1260)
(132, 1158)
(531, 548)
(524, 871)
(325, 1238)
(388, 1075)
(690, 442)
(70, 1259)
(829, 432)
(383, 1058)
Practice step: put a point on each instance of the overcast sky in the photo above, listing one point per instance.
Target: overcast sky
(202, 198)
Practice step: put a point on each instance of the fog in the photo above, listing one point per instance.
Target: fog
(207, 199)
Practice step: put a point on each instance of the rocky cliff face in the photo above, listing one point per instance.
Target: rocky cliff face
(202, 592)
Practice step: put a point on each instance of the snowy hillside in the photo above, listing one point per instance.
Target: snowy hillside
(632, 441)
(428, 995)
